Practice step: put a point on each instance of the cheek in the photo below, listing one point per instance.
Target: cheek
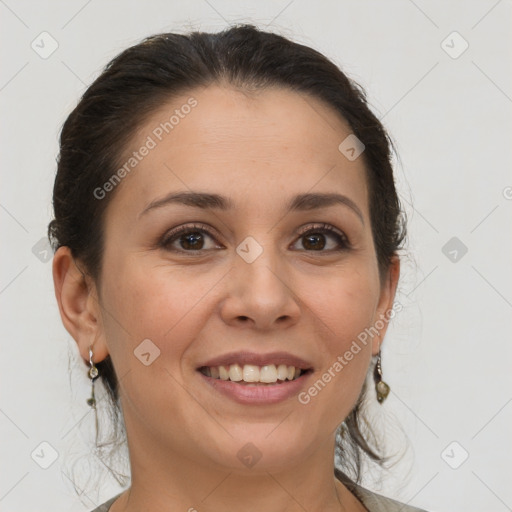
(345, 305)
(342, 311)
(167, 306)
(163, 304)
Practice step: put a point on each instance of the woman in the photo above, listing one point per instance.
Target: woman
(226, 233)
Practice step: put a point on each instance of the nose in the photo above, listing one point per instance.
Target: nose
(259, 294)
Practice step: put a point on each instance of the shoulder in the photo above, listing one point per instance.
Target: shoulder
(105, 506)
(377, 503)
(372, 501)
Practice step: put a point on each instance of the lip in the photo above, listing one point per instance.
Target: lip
(248, 394)
(254, 358)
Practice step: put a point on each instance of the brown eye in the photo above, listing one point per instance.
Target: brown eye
(317, 239)
(192, 240)
(188, 239)
(314, 241)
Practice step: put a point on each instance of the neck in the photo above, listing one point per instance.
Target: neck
(168, 480)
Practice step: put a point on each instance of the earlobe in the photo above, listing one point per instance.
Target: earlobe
(78, 305)
(386, 300)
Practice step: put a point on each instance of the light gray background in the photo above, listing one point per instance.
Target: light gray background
(448, 354)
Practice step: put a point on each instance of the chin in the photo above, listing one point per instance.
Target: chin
(261, 449)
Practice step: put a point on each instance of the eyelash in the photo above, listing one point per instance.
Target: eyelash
(173, 235)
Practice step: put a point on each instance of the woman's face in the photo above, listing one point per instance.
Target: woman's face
(244, 279)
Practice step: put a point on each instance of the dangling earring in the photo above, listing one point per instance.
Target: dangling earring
(93, 375)
(381, 387)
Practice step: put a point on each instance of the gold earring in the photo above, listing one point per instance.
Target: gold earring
(93, 374)
(381, 387)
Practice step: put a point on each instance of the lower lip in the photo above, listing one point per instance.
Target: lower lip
(257, 394)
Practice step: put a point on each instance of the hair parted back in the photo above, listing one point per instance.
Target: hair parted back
(140, 80)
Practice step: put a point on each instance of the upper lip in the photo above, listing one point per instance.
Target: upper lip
(243, 358)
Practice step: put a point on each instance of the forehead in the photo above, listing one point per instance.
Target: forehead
(270, 141)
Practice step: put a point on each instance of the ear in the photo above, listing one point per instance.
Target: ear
(78, 305)
(385, 311)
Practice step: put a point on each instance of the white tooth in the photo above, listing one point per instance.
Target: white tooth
(235, 373)
(251, 373)
(223, 373)
(282, 372)
(268, 373)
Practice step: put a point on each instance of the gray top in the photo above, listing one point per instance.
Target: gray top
(105, 506)
(372, 501)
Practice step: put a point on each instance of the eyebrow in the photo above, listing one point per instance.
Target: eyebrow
(300, 202)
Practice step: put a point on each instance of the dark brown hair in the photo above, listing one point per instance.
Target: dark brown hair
(141, 79)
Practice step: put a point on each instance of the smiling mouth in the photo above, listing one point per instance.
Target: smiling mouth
(254, 375)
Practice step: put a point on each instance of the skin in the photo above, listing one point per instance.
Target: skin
(258, 149)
